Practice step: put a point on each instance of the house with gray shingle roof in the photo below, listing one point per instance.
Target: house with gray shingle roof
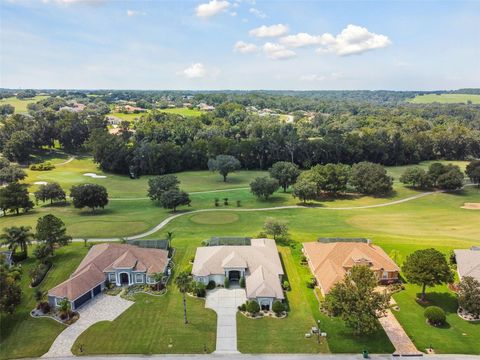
(468, 262)
(258, 263)
(118, 264)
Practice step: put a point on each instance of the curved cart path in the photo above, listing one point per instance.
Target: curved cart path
(166, 221)
(70, 159)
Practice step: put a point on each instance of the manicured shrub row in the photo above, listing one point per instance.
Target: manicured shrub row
(39, 272)
(46, 166)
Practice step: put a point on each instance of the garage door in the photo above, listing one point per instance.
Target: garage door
(97, 290)
(82, 300)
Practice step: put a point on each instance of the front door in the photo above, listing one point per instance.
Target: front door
(234, 275)
(124, 279)
(265, 305)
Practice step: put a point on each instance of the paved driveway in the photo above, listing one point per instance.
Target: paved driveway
(103, 307)
(400, 340)
(225, 302)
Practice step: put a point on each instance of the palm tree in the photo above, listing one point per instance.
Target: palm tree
(17, 236)
(65, 307)
(158, 277)
(169, 239)
(183, 283)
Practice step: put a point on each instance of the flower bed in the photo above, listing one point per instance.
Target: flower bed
(263, 314)
(56, 315)
(130, 292)
(467, 316)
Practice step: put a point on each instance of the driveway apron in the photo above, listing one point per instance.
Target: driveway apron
(103, 307)
(225, 303)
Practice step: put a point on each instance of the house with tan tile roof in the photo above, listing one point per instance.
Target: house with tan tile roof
(329, 262)
(119, 264)
(258, 263)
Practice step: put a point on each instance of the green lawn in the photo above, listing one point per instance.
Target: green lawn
(154, 323)
(445, 98)
(23, 336)
(182, 111)
(288, 335)
(128, 117)
(432, 221)
(21, 104)
(457, 335)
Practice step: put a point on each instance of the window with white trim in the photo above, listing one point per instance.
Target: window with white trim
(111, 277)
(138, 278)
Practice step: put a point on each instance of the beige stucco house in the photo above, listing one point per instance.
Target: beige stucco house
(259, 263)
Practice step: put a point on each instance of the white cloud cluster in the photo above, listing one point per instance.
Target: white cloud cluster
(319, 77)
(302, 40)
(353, 40)
(131, 13)
(195, 71)
(277, 51)
(258, 13)
(244, 47)
(211, 8)
(70, 2)
(269, 31)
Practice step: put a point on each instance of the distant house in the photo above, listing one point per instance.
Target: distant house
(330, 261)
(75, 107)
(119, 264)
(259, 263)
(113, 120)
(7, 256)
(468, 262)
(129, 109)
(205, 107)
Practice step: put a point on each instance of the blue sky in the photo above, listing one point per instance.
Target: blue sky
(239, 44)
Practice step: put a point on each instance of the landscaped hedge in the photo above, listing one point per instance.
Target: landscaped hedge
(46, 166)
(39, 272)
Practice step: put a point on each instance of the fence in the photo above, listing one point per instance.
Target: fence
(228, 241)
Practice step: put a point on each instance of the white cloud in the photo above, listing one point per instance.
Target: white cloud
(69, 2)
(194, 71)
(277, 51)
(211, 8)
(353, 40)
(304, 39)
(245, 48)
(233, 13)
(319, 77)
(134, 13)
(312, 77)
(258, 13)
(269, 31)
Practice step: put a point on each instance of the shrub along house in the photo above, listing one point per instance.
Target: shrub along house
(118, 264)
(258, 262)
(330, 261)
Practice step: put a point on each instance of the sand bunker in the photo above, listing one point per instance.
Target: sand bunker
(94, 176)
(471, 206)
(40, 183)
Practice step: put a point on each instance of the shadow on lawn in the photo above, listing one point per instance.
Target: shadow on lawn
(447, 301)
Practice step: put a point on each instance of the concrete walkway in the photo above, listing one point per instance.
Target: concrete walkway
(103, 307)
(225, 302)
(400, 340)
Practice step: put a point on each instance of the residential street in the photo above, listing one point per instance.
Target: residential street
(276, 357)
